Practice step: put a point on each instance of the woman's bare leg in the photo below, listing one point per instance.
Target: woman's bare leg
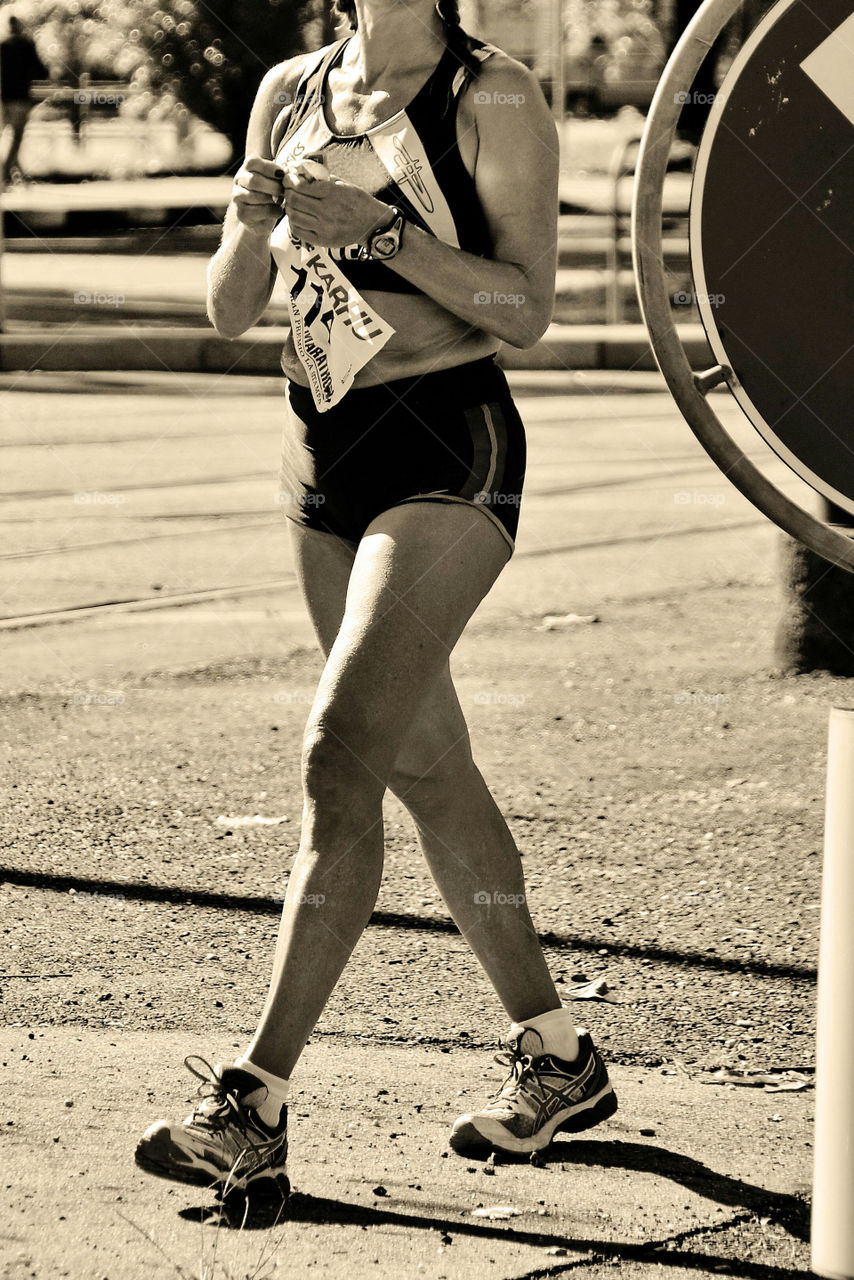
(417, 576)
(471, 853)
(468, 847)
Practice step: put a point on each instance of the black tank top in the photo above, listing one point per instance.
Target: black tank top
(411, 160)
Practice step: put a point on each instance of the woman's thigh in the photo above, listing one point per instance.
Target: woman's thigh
(388, 617)
(323, 564)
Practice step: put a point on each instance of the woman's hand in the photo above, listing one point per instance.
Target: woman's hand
(328, 213)
(257, 194)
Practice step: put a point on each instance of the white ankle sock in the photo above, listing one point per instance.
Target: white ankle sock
(557, 1028)
(270, 1109)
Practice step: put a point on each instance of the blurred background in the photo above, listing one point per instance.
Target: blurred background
(123, 122)
(145, 88)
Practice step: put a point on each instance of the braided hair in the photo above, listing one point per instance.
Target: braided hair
(449, 12)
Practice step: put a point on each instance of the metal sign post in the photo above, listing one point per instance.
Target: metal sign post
(772, 261)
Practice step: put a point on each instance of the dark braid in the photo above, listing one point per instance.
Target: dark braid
(449, 11)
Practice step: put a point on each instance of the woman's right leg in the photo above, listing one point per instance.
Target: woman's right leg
(472, 854)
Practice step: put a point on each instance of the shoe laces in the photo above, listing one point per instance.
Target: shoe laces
(218, 1106)
(522, 1073)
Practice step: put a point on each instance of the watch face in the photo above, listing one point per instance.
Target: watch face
(384, 245)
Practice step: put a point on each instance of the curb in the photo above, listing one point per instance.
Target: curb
(192, 350)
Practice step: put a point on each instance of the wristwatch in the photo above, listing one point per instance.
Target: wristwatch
(385, 242)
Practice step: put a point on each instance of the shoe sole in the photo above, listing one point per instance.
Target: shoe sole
(153, 1156)
(468, 1140)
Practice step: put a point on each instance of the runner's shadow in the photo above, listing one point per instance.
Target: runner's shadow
(788, 1211)
(323, 1211)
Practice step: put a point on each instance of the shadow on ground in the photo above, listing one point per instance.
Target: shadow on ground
(256, 905)
(322, 1211)
(750, 1201)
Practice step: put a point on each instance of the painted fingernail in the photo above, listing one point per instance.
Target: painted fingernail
(280, 173)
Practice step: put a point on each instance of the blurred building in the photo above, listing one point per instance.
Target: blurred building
(523, 27)
(612, 51)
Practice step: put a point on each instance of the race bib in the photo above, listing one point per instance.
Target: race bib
(335, 332)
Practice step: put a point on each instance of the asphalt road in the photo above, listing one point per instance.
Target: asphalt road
(664, 785)
(646, 760)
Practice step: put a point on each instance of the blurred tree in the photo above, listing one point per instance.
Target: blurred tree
(209, 54)
(212, 54)
(73, 36)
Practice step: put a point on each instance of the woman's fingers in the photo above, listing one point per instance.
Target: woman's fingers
(263, 167)
(256, 184)
(303, 229)
(302, 222)
(296, 181)
(260, 176)
(301, 204)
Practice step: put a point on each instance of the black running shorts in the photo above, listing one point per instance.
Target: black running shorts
(450, 436)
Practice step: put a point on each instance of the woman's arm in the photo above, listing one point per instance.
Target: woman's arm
(242, 272)
(510, 294)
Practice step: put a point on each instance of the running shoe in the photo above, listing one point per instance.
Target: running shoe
(223, 1143)
(541, 1096)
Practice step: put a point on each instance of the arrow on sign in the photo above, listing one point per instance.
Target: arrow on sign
(829, 66)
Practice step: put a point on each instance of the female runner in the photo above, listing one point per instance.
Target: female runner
(427, 238)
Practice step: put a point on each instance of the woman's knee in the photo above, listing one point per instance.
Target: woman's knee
(338, 769)
(426, 780)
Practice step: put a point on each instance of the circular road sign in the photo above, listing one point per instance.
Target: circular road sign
(772, 237)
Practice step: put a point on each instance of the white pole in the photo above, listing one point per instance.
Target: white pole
(559, 66)
(833, 1178)
(2, 218)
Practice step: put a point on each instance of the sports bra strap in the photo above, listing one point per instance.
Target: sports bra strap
(463, 75)
(293, 113)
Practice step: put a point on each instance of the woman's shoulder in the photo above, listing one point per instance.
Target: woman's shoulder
(278, 91)
(285, 76)
(496, 65)
(500, 80)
